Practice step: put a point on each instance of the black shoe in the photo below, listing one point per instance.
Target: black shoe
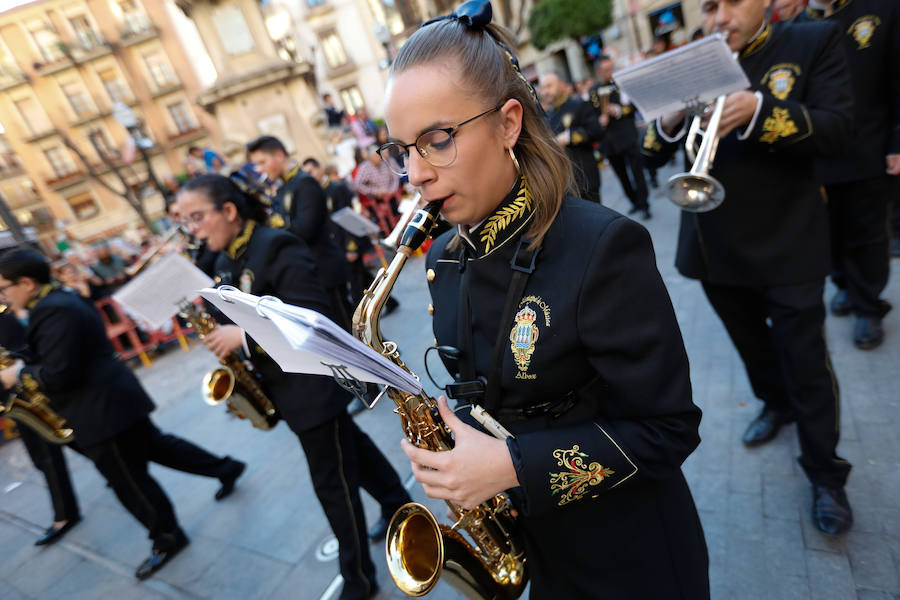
(831, 510)
(229, 481)
(378, 529)
(867, 332)
(634, 210)
(840, 304)
(645, 214)
(765, 426)
(895, 246)
(158, 557)
(54, 533)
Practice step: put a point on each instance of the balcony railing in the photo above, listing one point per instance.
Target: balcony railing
(129, 35)
(58, 181)
(11, 77)
(40, 135)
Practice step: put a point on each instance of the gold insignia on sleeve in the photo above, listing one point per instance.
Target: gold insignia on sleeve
(863, 29)
(651, 142)
(29, 382)
(276, 221)
(573, 482)
(499, 220)
(576, 138)
(779, 125)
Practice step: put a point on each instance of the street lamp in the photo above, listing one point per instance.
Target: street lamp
(123, 114)
(383, 35)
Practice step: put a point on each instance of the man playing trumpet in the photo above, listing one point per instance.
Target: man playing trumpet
(762, 256)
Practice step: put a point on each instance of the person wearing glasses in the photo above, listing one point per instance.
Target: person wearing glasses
(70, 359)
(575, 349)
(261, 260)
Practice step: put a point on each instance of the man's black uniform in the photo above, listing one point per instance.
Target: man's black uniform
(47, 458)
(341, 458)
(859, 191)
(620, 144)
(72, 362)
(763, 254)
(594, 384)
(303, 211)
(577, 116)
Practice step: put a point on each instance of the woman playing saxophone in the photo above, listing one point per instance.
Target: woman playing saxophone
(551, 314)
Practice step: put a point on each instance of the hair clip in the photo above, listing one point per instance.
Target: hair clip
(474, 14)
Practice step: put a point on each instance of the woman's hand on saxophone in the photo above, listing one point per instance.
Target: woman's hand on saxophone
(224, 339)
(476, 469)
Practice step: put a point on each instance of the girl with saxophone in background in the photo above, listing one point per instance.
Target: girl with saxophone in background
(554, 307)
(265, 261)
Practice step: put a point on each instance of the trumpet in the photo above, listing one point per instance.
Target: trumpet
(698, 191)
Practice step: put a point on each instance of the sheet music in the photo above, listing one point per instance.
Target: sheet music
(354, 222)
(301, 340)
(154, 295)
(698, 72)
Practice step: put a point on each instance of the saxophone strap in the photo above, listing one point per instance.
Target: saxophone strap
(522, 265)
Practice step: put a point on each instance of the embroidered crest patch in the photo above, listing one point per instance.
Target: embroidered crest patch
(522, 338)
(246, 281)
(863, 29)
(781, 79)
(573, 482)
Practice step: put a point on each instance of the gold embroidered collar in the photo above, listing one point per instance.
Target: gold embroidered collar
(508, 219)
(758, 42)
(292, 172)
(239, 244)
(819, 14)
(41, 294)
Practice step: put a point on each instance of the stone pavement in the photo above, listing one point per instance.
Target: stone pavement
(269, 540)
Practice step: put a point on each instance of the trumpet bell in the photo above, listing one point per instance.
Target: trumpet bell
(695, 192)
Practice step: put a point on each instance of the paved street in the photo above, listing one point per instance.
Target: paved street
(270, 540)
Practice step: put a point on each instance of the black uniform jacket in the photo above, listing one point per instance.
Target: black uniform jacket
(304, 212)
(266, 261)
(71, 360)
(772, 228)
(621, 132)
(584, 128)
(871, 37)
(12, 333)
(601, 486)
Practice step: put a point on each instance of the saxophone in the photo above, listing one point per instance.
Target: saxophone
(419, 550)
(32, 408)
(233, 383)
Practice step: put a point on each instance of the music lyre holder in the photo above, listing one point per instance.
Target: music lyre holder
(341, 375)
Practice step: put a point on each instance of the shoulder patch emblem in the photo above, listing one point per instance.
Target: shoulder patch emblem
(525, 334)
(246, 281)
(781, 79)
(863, 29)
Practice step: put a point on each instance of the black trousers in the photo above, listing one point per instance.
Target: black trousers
(860, 239)
(341, 459)
(895, 205)
(587, 175)
(779, 333)
(48, 459)
(629, 168)
(123, 460)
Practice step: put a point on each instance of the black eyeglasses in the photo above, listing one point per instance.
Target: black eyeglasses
(435, 145)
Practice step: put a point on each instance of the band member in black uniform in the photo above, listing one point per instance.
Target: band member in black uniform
(576, 129)
(300, 207)
(862, 181)
(593, 379)
(72, 362)
(762, 256)
(621, 140)
(47, 458)
(262, 260)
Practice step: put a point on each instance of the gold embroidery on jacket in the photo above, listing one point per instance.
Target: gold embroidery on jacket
(573, 483)
(863, 29)
(779, 125)
(502, 218)
(651, 142)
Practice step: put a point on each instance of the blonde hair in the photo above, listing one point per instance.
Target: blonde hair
(488, 71)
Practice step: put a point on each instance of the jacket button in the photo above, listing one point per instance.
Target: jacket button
(429, 274)
(431, 309)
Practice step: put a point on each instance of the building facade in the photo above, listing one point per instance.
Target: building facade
(64, 64)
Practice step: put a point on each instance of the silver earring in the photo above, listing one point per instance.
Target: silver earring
(513, 157)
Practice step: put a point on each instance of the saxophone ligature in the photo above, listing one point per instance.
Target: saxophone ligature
(32, 408)
(481, 554)
(233, 382)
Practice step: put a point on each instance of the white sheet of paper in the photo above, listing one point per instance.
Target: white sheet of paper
(303, 341)
(354, 222)
(698, 72)
(154, 295)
